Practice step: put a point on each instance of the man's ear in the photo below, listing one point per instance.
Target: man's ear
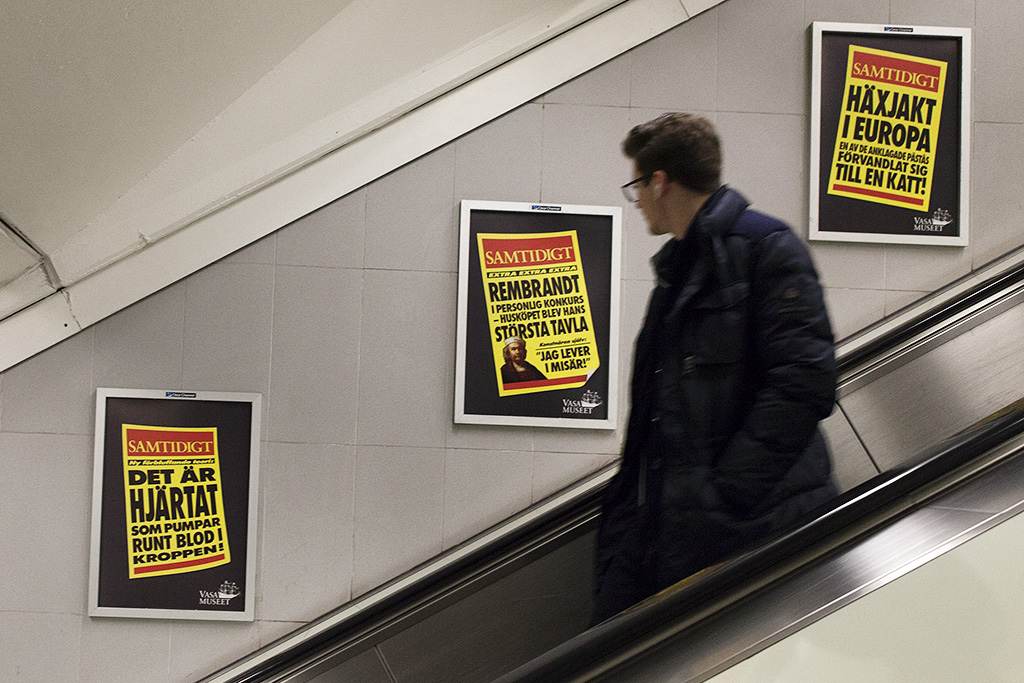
(658, 178)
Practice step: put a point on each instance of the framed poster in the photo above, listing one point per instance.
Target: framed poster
(537, 341)
(174, 505)
(890, 134)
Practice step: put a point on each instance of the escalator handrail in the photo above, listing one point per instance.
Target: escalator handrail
(931, 311)
(439, 574)
(622, 633)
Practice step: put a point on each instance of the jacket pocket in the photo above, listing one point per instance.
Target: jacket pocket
(721, 319)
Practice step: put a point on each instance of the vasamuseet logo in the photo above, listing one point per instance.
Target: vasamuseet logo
(584, 406)
(223, 595)
(940, 219)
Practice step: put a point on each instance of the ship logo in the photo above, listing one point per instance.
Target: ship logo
(591, 399)
(941, 217)
(228, 589)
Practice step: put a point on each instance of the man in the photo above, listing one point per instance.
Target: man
(516, 368)
(734, 368)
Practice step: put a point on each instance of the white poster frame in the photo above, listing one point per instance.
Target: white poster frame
(565, 212)
(254, 400)
(963, 35)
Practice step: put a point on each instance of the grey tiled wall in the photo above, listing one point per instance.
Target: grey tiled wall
(345, 322)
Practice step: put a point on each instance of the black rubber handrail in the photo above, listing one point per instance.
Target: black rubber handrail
(625, 632)
(587, 507)
(934, 317)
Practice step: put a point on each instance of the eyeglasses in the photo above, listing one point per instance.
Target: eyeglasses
(629, 190)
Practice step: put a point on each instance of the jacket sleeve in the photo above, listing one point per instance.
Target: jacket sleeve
(793, 373)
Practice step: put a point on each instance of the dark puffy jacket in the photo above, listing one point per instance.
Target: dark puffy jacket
(734, 369)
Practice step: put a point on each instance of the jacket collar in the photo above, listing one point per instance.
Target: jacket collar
(702, 247)
(720, 212)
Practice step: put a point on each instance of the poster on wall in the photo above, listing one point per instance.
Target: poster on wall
(890, 134)
(174, 505)
(537, 337)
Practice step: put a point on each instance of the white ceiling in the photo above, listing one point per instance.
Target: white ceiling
(126, 123)
(97, 94)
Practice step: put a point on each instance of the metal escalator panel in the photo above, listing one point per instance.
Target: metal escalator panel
(941, 392)
(512, 620)
(956, 619)
(479, 610)
(930, 370)
(817, 596)
(486, 634)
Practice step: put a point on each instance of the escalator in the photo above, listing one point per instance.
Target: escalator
(513, 603)
(874, 535)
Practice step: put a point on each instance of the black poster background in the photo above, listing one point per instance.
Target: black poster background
(233, 421)
(845, 214)
(594, 235)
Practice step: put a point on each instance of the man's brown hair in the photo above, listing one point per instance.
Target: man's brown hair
(685, 146)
